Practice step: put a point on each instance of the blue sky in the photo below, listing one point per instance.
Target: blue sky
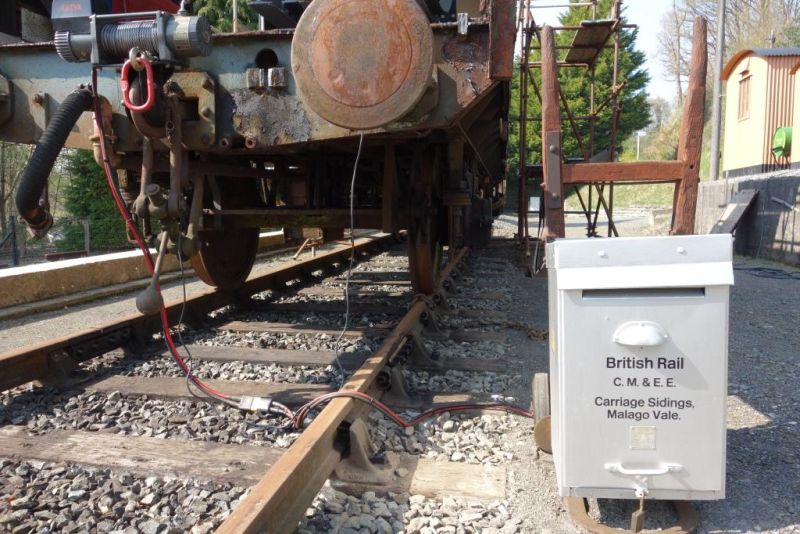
(647, 14)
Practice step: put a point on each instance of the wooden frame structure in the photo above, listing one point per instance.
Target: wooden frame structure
(599, 171)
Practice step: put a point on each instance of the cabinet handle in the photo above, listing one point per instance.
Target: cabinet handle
(662, 469)
(640, 334)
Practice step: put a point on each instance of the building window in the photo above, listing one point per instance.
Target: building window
(744, 96)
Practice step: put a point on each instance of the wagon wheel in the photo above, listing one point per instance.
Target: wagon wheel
(226, 255)
(424, 246)
(541, 412)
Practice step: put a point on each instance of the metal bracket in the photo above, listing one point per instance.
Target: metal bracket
(393, 384)
(61, 370)
(261, 80)
(357, 465)
(39, 110)
(430, 324)
(420, 357)
(187, 85)
(552, 175)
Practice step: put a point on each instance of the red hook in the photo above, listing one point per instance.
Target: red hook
(125, 84)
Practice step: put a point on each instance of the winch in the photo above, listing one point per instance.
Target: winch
(85, 30)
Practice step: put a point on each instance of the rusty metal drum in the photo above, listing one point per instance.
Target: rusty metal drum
(361, 64)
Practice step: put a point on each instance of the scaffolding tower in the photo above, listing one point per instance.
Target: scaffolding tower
(597, 171)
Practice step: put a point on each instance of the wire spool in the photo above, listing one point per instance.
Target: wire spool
(361, 64)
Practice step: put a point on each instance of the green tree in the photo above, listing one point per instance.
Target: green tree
(576, 84)
(13, 158)
(660, 139)
(87, 198)
(220, 13)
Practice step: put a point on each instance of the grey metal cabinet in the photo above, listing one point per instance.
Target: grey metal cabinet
(638, 365)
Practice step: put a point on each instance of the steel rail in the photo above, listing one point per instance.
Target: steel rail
(43, 360)
(277, 503)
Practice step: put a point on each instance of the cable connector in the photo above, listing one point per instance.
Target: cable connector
(255, 404)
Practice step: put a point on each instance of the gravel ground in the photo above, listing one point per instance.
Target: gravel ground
(460, 438)
(44, 497)
(480, 350)
(333, 511)
(48, 410)
(763, 456)
(53, 497)
(763, 483)
(457, 381)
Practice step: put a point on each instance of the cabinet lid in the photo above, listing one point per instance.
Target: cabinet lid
(646, 262)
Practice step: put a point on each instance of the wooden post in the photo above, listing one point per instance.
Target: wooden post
(691, 137)
(551, 139)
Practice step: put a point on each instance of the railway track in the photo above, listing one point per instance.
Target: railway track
(135, 445)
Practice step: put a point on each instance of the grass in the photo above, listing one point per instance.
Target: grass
(633, 196)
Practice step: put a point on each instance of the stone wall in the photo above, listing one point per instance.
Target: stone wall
(771, 228)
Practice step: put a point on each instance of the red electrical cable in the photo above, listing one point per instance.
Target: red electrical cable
(303, 412)
(142, 245)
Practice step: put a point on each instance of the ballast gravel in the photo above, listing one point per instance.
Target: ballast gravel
(479, 350)
(233, 371)
(334, 511)
(462, 381)
(45, 497)
(44, 411)
(460, 438)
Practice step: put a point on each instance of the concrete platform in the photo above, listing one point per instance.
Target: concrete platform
(32, 283)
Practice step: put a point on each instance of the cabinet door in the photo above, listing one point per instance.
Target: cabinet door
(643, 387)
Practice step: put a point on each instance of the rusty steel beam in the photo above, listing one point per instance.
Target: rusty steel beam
(501, 39)
(365, 218)
(17, 367)
(277, 503)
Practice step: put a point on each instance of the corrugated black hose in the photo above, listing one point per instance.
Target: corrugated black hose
(37, 171)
